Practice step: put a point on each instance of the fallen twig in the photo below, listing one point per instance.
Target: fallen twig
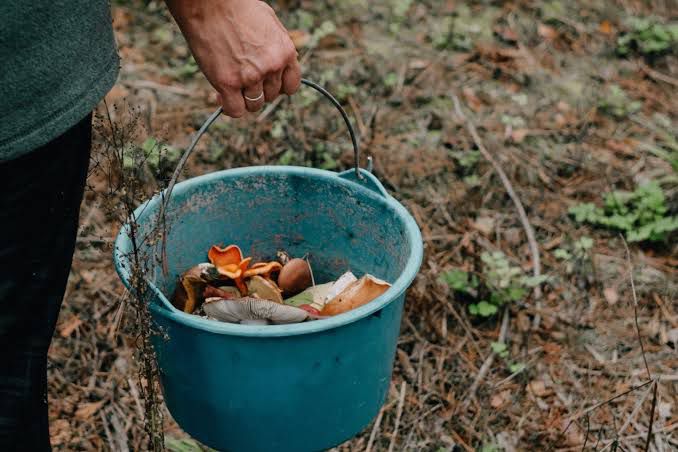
(599, 404)
(401, 403)
(635, 305)
(656, 75)
(529, 232)
(375, 429)
(488, 361)
(634, 412)
(649, 428)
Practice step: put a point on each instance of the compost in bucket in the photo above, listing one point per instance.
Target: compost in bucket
(232, 288)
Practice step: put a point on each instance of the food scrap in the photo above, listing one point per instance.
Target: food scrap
(230, 288)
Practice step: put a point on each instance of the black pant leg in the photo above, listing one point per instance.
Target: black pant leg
(40, 195)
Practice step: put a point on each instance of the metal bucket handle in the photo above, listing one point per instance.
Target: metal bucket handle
(213, 117)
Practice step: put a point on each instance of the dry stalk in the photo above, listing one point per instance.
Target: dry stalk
(529, 232)
(657, 75)
(634, 412)
(635, 305)
(123, 165)
(488, 361)
(399, 414)
(375, 429)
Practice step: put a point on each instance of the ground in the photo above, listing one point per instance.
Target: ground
(571, 100)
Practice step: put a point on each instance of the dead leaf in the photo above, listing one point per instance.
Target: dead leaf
(116, 93)
(574, 436)
(605, 27)
(87, 410)
(417, 64)
(473, 101)
(611, 295)
(131, 55)
(300, 38)
(404, 360)
(60, 432)
(563, 106)
(553, 353)
(120, 17)
(88, 276)
(547, 32)
(523, 321)
(500, 399)
(538, 388)
(70, 325)
(626, 147)
(484, 224)
(507, 34)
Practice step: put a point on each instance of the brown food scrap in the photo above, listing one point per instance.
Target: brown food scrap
(295, 276)
(188, 293)
(355, 295)
(211, 291)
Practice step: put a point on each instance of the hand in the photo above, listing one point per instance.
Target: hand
(242, 48)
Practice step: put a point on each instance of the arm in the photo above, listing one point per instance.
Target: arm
(242, 48)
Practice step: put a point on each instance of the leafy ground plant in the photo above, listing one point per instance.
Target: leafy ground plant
(616, 103)
(648, 37)
(575, 255)
(502, 282)
(642, 214)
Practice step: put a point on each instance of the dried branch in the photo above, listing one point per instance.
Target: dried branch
(529, 232)
(123, 165)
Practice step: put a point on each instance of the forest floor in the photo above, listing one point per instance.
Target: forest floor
(573, 100)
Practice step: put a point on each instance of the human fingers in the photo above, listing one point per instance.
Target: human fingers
(272, 85)
(291, 78)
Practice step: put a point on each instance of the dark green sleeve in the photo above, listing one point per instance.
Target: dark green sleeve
(58, 59)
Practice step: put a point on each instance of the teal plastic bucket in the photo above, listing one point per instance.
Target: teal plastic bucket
(298, 387)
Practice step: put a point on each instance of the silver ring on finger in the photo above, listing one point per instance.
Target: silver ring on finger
(255, 99)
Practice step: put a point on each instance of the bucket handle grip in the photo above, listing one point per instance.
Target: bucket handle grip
(213, 117)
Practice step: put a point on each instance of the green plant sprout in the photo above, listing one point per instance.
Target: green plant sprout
(615, 102)
(501, 349)
(157, 157)
(648, 37)
(504, 282)
(576, 255)
(468, 161)
(641, 215)
(460, 280)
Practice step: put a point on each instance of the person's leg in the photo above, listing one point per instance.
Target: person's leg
(40, 195)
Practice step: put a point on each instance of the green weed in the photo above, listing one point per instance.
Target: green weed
(617, 103)
(503, 282)
(158, 158)
(576, 255)
(648, 37)
(641, 215)
(501, 349)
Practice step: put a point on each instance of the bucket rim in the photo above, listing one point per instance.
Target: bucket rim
(164, 307)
